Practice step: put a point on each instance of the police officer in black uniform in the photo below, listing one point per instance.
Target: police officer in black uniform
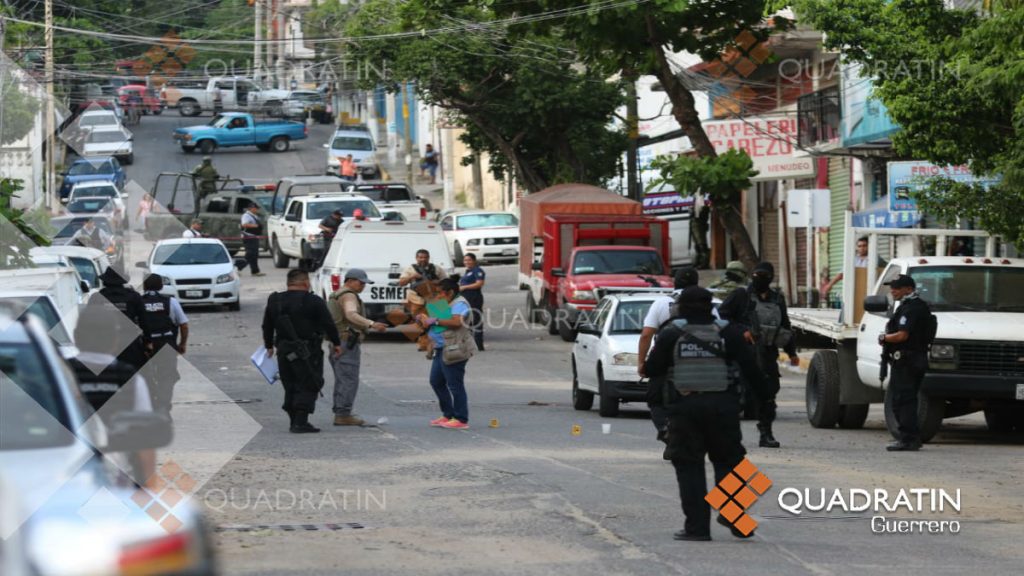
(741, 307)
(166, 336)
(905, 340)
(296, 321)
(128, 302)
(699, 393)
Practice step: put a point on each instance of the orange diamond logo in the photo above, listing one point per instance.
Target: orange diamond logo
(737, 492)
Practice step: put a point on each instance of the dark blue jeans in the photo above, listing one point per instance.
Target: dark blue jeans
(449, 383)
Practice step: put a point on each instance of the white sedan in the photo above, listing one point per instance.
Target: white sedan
(604, 357)
(196, 271)
(103, 189)
(490, 236)
(110, 141)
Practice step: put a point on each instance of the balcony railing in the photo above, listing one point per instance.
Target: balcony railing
(818, 114)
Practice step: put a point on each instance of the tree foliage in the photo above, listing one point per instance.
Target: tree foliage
(18, 107)
(954, 82)
(17, 235)
(543, 118)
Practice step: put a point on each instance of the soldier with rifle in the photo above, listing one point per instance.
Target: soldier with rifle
(296, 322)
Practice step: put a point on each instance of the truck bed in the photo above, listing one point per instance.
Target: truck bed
(821, 321)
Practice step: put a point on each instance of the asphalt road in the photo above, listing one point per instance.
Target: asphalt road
(527, 496)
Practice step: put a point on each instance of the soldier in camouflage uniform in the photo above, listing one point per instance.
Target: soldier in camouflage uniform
(735, 277)
(206, 177)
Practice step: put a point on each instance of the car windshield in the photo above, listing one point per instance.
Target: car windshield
(376, 192)
(107, 137)
(190, 254)
(617, 262)
(98, 120)
(306, 96)
(352, 143)
(971, 288)
(319, 210)
(266, 201)
(471, 221)
(629, 317)
(86, 270)
(32, 415)
(95, 191)
(41, 308)
(89, 205)
(86, 168)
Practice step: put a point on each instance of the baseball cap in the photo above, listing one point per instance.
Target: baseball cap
(357, 274)
(902, 281)
(686, 276)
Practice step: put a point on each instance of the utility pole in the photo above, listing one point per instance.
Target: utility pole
(632, 183)
(408, 134)
(51, 144)
(3, 72)
(257, 51)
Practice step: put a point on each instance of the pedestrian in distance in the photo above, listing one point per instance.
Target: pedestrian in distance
(346, 308)
(471, 285)
(128, 302)
(328, 230)
(908, 333)
(453, 347)
(347, 168)
(166, 336)
(252, 232)
(195, 229)
(205, 177)
(761, 310)
(145, 207)
(692, 369)
(429, 163)
(295, 323)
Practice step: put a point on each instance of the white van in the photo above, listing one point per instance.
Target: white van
(90, 262)
(383, 250)
(52, 294)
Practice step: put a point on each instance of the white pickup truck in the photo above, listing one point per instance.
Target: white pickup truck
(393, 197)
(300, 203)
(977, 359)
(231, 93)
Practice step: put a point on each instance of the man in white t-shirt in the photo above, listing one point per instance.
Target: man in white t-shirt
(661, 311)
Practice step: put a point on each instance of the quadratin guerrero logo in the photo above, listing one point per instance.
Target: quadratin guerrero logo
(796, 501)
(737, 492)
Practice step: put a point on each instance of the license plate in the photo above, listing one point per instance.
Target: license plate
(390, 307)
(193, 293)
(509, 252)
(1020, 391)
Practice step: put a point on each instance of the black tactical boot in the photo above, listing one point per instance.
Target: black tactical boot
(291, 421)
(302, 425)
(767, 439)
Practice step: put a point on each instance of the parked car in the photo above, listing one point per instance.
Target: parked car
(392, 196)
(90, 262)
(196, 271)
(57, 456)
(604, 355)
(101, 189)
(67, 234)
(90, 205)
(52, 294)
(307, 104)
(296, 232)
(383, 250)
(240, 129)
(490, 236)
(98, 168)
(150, 102)
(359, 143)
(224, 93)
(109, 141)
(94, 118)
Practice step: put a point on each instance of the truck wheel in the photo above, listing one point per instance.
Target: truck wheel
(188, 149)
(279, 144)
(458, 254)
(930, 412)
(581, 399)
(263, 147)
(236, 305)
(608, 405)
(281, 260)
(189, 108)
(853, 416)
(822, 389)
(1001, 420)
(158, 111)
(566, 329)
(207, 146)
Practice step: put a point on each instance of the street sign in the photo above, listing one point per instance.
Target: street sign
(908, 177)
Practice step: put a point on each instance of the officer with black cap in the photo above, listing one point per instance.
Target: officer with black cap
(693, 368)
(761, 310)
(906, 340)
(128, 302)
(296, 322)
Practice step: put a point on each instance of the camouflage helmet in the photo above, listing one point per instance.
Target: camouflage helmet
(207, 159)
(736, 269)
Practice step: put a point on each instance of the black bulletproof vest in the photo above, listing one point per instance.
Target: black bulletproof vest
(100, 389)
(157, 318)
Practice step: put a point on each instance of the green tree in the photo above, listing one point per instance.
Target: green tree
(634, 39)
(17, 235)
(542, 117)
(954, 82)
(18, 108)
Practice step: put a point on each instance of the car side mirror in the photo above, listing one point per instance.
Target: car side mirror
(558, 273)
(328, 146)
(291, 218)
(124, 195)
(588, 328)
(876, 304)
(240, 263)
(536, 266)
(86, 287)
(140, 265)
(134, 431)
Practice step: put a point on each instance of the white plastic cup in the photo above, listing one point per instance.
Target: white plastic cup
(606, 428)
(382, 421)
